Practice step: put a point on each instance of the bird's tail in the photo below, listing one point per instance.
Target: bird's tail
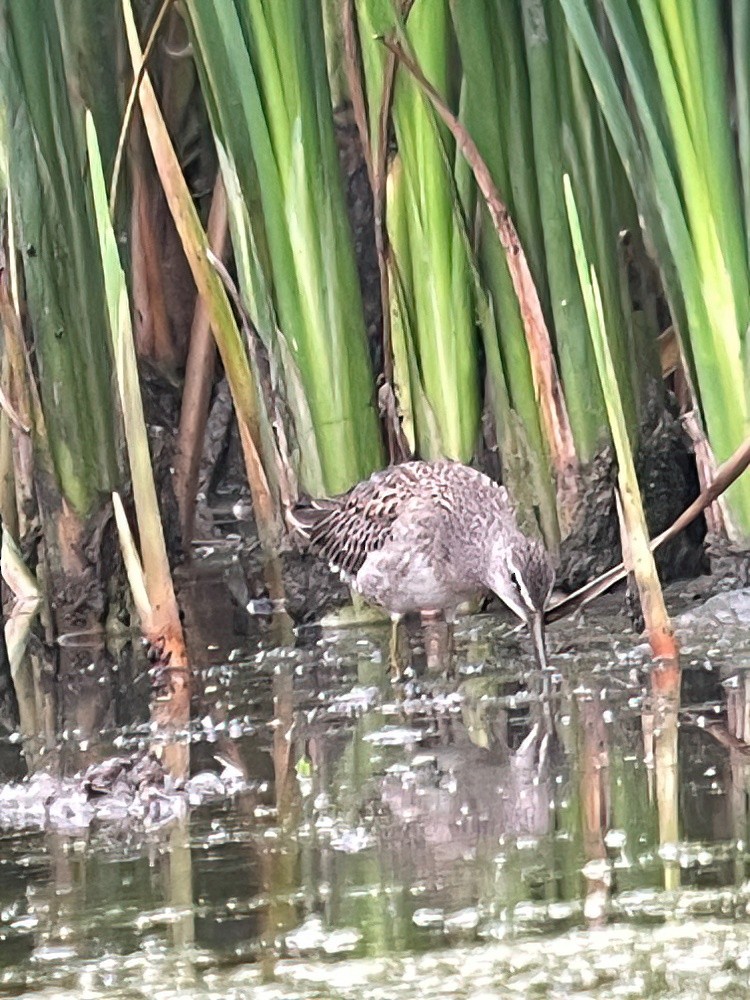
(306, 516)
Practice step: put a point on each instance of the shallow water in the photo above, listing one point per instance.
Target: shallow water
(433, 836)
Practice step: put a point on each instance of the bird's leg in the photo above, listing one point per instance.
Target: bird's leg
(450, 623)
(438, 640)
(395, 658)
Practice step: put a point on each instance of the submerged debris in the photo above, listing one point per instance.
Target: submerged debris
(134, 791)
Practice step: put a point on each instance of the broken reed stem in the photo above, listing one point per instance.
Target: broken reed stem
(161, 623)
(262, 365)
(635, 534)
(228, 341)
(130, 105)
(726, 474)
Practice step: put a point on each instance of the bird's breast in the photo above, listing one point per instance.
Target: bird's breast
(408, 580)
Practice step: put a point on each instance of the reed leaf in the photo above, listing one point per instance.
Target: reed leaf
(55, 233)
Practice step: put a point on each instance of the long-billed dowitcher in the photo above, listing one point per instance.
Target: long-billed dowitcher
(427, 536)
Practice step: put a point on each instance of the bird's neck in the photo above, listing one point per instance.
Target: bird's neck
(484, 550)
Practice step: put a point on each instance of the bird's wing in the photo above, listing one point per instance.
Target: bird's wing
(345, 529)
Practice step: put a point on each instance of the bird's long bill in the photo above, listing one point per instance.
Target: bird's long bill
(536, 627)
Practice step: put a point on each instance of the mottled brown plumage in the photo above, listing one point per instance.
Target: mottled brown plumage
(426, 536)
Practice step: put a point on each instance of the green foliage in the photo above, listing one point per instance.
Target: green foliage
(632, 105)
(431, 266)
(675, 141)
(47, 168)
(264, 78)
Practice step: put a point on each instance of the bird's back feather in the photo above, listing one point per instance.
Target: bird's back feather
(347, 528)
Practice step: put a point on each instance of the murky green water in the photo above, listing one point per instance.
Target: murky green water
(429, 837)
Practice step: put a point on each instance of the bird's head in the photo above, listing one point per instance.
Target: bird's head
(520, 572)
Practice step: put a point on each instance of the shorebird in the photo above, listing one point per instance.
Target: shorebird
(428, 536)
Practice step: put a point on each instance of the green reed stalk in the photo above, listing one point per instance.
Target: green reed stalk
(510, 385)
(435, 273)
(678, 151)
(57, 237)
